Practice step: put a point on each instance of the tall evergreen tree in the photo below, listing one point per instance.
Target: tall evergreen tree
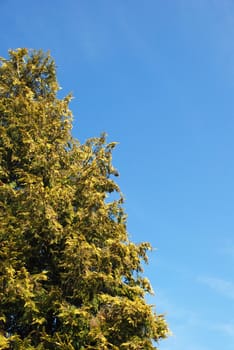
(70, 278)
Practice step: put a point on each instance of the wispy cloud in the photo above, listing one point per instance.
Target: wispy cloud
(184, 320)
(226, 328)
(221, 286)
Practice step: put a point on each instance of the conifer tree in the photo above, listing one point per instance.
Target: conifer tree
(70, 278)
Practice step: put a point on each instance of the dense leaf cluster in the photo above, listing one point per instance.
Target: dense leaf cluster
(69, 276)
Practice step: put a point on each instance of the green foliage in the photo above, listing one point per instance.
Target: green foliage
(69, 276)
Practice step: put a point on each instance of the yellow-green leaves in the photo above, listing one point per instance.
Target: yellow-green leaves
(4, 342)
(70, 278)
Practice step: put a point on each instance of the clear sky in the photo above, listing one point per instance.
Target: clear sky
(157, 76)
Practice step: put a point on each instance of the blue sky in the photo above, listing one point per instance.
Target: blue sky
(158, 77)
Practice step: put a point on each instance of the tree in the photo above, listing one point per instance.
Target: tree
(70, 278)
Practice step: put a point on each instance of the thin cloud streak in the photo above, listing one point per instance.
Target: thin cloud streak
(226, 328)
(221, 286)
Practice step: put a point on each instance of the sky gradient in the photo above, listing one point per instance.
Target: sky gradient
(158, 77)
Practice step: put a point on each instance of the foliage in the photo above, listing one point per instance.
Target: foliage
(70, 278)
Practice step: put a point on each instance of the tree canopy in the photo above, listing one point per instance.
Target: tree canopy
(70, 278)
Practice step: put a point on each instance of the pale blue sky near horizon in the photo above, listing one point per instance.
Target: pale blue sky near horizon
(158, 77)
